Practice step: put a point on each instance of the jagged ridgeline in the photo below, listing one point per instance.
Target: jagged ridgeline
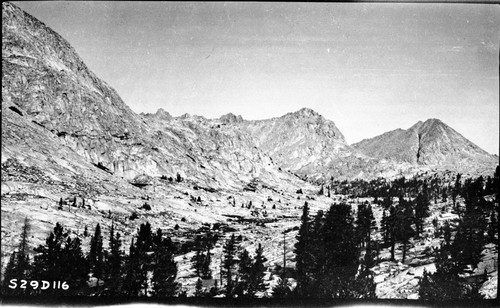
(221, 207)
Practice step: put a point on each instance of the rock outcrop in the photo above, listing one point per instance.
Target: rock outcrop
(429, 143)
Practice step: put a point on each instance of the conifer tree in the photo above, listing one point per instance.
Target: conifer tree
(229, 263)
(446, 283)
(385, 229)
(202, 258)
(114, 261)
(47, 263)
(74, 267)
(19, 265)
(245, 264)
(132, 283)
(96, 254)
(164, 267)
(421, 212)
(257, 275)
(342, 260)
(469, 239)
(403, 224)
(302, 254)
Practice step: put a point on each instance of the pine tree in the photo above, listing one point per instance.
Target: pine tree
(132, 282)
(164, 267)
(392, 224)
(202, 258)
(257, 272)
(229, 263)
(403, 224)
(143, 248)
(206, 272)
(445, 284)
(19, 266)
(245, 265)
(302, 254)
(96, 255)
(75, 267)
(47, 263)
(365, 223)
(341, 262)
(363, 286)
(114, 261)
(421, 212)
(469, 240)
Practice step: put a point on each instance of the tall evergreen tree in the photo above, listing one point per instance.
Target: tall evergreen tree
(74, 267)
(19, 265)
(403, 224)
(164, 267)
(202, 258)
(421, 212)
(469, 239)
(114, 261)
(245, 264)
(143, 249)
(47, 263)
(228, 264)
(385, 229)
(96, 255)
(132, 283)
(257, 275)
(340, 265)
(302, 254)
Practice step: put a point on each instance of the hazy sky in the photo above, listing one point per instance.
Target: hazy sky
(368, 67)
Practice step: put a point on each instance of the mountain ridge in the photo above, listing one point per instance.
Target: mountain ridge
(50, 86)
(427, 143)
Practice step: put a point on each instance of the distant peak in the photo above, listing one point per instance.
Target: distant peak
(433, 121)
(162, 113)
(306, 112)
(231, 118)
(428, 124)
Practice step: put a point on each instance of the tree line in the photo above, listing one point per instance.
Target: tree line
(149, 268)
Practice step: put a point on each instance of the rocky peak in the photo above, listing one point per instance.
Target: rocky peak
(231, 118)
(430, 143)
(306, 112)
(50, 83)
(163, 115)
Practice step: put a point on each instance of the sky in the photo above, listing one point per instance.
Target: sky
(369, 67)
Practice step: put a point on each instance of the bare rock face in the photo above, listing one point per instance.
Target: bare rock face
(49, 85)
(303, 142)
(429, 143)
(54, 109)
(63, 106)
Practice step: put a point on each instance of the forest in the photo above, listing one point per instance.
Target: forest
(334, 252)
